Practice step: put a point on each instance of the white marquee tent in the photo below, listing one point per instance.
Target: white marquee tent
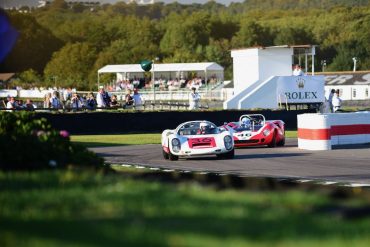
(166, 70)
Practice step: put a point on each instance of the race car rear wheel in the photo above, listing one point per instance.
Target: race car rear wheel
(165, 155)
(281, 143)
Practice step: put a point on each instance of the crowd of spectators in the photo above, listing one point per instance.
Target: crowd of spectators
(12, 104)
(161, 83)
(69, 99)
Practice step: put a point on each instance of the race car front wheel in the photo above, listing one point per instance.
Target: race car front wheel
(228, 155)
(165, 155)
(172, 156)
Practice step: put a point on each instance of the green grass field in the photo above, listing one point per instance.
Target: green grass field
(121, 208)
(74, 208)
(130, 139)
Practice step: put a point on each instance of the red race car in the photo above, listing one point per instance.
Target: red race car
(254, 130)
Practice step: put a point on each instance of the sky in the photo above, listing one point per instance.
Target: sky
(14, 3)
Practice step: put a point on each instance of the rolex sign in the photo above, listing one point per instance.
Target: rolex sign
(300, 89)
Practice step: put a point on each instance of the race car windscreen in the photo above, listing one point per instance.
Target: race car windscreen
(194, 128)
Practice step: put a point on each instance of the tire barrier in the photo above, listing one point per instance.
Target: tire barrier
(322, 131)
(145, 121)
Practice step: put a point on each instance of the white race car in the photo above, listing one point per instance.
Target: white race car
(197, 138)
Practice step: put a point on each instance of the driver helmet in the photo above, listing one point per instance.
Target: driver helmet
(246, 121)
(203, 125)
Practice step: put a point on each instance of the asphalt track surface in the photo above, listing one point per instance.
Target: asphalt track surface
(343, 164)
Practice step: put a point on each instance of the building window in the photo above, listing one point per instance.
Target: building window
(354, 93)
(367, 93)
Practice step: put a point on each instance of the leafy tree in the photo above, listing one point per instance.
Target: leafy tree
(58, 5)
(184, 33)
(33, 48)
(30, 76)
(71, 65)
(292, 36)
(251, 34)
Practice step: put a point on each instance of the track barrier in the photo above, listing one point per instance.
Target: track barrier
(322, 131)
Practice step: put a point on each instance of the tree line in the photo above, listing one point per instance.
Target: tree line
(67, 44)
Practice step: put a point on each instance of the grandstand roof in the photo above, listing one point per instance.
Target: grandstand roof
(162, 67)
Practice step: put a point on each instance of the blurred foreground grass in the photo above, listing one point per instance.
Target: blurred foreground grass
(82, 208)
(131, 139)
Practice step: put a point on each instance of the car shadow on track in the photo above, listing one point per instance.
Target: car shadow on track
(273, 155)
(250, 156)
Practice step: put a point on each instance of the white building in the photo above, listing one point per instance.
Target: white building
(263, 78)
(352, 85)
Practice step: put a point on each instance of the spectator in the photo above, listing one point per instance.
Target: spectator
(29, 105)
(106, 99)
(297, 70)
(337, 101)
(114, 101)
(330, 100)
(138, 100)
(11, 104)
(90, 101)
(76, 103)
(47, 99)
(101, 98)
(67, 94)
(194, 99)
(20, 104)
(55, 101)
(129, 101)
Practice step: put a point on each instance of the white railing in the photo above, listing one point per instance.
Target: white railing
(148, 95)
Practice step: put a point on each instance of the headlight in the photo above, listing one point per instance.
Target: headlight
(176, 145)
(266, 132)
(228, 142)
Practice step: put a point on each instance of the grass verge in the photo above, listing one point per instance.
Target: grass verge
(131, 139)
(70, 208)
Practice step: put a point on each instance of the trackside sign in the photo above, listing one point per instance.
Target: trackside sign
(301, 89)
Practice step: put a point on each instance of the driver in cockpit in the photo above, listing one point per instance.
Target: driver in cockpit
(245, 123)
(203, 128)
